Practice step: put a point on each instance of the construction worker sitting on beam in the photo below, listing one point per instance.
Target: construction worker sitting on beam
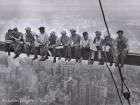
(75, 44)
(98, 43)
(122, 47)
(43, 40)
(8, 40)
(53, 43)
(17, 43)
(30, 38)
(65, 41)
(108, 44)
(85, 47)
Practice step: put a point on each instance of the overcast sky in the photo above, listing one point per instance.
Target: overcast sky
(34, 8)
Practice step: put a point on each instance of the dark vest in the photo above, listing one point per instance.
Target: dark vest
(121, 44)
(30, 38)
(52, 41)
(16, 34)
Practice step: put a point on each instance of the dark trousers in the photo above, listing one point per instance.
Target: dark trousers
(30, 49)
(77, 52)
(110, 56)
(43, 50)
(17, 48)
(8, 48)
(85, 52)
(122, 54)
(53, 51)
(67, 52)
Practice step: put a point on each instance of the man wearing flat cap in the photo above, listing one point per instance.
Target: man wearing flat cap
(98, 43)
(108, 44)
(85, 46)
(53, 43)
(17, 43)
(43, 40)
(65, 41)
(30, 38)
(122, 47)
(75, 44)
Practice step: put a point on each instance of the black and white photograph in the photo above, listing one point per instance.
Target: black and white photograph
(69, 52)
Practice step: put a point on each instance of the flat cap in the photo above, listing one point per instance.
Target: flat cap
(85, 33)
(52, 33)
(9, 30)
(63, 32)
(41, 28)
(98, 33)
(28, 29)
(15, 29)
(72, 30)
(119, 31)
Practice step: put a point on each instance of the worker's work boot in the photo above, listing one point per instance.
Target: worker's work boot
(54, 60)
(35, 57)
(16, 56)
(42, 59)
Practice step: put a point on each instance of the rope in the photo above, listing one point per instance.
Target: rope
(104, 17)
(126, 94)
(113, 78)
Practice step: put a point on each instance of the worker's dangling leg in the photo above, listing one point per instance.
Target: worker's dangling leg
(92, 57)
(17, 49)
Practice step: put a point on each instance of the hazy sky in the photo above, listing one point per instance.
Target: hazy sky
(34, 8)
